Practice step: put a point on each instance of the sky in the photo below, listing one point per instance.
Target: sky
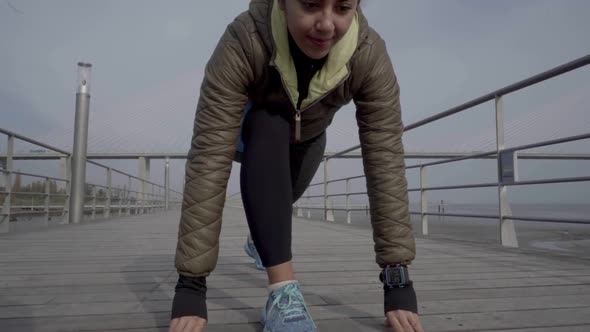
(148, 59)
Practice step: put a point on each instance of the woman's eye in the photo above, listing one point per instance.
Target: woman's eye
(314, 5)
(310, 4)
(344, 8)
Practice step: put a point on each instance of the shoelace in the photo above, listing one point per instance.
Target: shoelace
(295, 305)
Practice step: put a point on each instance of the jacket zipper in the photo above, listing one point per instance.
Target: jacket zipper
(297, 126)
(298, 111)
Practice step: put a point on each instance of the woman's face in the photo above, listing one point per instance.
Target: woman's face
(316, 25)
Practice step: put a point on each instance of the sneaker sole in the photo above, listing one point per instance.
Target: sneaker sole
(267, 330)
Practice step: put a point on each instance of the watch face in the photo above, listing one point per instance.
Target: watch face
(395, 275)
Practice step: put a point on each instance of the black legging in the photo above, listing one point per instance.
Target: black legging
(274, 174)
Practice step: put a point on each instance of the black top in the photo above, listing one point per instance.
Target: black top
(306, 67)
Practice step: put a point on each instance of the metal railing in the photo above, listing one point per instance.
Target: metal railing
(114, 201)
(506, 159)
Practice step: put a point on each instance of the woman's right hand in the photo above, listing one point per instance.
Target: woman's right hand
(188, 324)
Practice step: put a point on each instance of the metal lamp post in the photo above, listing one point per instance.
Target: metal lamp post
(78, 179)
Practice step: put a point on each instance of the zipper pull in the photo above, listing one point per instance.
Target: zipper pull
(298, 126)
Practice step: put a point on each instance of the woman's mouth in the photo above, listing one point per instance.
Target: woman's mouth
(323, 43)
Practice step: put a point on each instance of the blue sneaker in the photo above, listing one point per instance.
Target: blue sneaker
(285, 311)
(251, 251)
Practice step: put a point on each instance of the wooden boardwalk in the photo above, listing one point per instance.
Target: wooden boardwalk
(118, 275)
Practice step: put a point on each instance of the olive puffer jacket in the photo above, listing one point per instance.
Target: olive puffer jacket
(252, 62)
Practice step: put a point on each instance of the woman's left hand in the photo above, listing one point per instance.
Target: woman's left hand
(403, 321)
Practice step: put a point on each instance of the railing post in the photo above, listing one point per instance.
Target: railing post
(120, 200)
(47, 199)
(507, 231)
(142, 204)
(80, 144)
(298, 206)
(330, 211)
(423, 200)
(326, 189)
(66, 173)
(152, 200)
(141, 165)
(147, 199)
(348, 219)
(93, 216)
(308, 205)
(138, 203)
(127, 195)
(167, 184)
(6, 207)
(107, 211)
(159, 200)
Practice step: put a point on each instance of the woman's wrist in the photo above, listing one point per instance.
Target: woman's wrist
(190, 298)
(400, 299)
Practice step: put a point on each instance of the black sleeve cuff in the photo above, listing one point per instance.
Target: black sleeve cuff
(190, 297)
(400, 299)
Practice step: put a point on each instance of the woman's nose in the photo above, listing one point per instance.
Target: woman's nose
(325, 23)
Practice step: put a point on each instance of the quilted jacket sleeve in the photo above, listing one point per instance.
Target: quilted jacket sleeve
(223, 95)
(380, 127)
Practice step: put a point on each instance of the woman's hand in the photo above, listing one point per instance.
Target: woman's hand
(188, 324)
(403, 321)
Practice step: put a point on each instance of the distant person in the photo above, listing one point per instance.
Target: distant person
(290, 65)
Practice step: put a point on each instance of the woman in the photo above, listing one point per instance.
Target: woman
(294, 63)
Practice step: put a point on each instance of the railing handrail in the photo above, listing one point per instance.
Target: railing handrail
(559, 70)
(407, 154)
(477, 155)
(32, 141)
(549, 142)
(66, 154)
(450, 160)
(33, 175)
(146, 200)
(123, 173)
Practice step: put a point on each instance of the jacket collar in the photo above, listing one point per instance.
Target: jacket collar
(272, 26)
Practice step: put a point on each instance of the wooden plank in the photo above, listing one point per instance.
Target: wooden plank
(24, 300)
(75, 289)
(566, 328)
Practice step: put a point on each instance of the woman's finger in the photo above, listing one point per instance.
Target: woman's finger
(173, 325)
(182, 324)
(394, 323)
(190, 325)
(405, 323)
(415, 321)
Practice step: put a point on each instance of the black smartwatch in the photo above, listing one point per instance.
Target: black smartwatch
(395, 276)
